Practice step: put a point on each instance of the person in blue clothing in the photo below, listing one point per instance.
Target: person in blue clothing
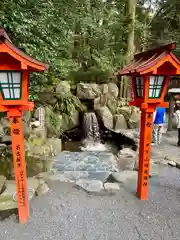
(158, 125)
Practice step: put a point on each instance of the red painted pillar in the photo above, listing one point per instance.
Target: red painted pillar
(144, 153)
(19, 164)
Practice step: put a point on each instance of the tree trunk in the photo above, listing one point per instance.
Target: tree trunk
(131, 14)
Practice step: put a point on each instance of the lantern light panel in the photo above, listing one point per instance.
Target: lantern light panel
(155, 86)
(139, 86)
(10, 85)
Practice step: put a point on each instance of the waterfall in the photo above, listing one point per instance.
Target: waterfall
(91, 133)
(91, 127)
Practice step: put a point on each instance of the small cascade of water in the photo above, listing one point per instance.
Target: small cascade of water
(91, 127)
(92, 134)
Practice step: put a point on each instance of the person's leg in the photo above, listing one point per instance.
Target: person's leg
(178, 143)
(155, 133)
(159, 134)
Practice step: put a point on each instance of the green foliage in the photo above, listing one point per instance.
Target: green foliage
(53, 119)
(67, 104)
(93, 74)
(165, 24)
(85, 40)
(72, 36)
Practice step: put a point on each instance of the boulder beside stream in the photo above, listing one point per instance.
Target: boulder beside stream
(6, 198)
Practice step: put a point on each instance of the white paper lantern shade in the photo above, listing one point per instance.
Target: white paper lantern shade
(139, 86)
(155, 86)
(11, 85)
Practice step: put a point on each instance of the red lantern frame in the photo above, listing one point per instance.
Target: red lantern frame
(161, 62)
(13, 59)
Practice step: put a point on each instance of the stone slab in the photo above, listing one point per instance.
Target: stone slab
(123, 176)
(111, 186)
(101, 176)
(90, 185)
(42, 189)
(73, 176)
(6, 198)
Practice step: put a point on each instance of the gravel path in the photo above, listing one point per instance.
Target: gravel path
(69, 213)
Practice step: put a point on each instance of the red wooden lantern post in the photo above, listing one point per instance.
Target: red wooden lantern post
(150, 73)
(15, 67)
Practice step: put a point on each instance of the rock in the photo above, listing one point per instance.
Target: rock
(32, 183)
(104, 88)
(170, 158)
(2, 147)
(178, 165)
(134, 119)
(1, 131)
(112, 105)
(122, 102)
(42, 189)
(26, 129)
(105, 99)
(67, 176)
(35, 124)
(136, 164)
(70, 122)
(119, 122)
(7, 203)
(63, 87)
(56, 144)
(5, 126)
(97, 103)
(126, 163)
(53, 176)
(6, 139)
(57, 123)
(122, 177)
(47, 96)
(172, 163)
(126, 159)
(111, 186)
(117, 138)
(39, 132)
(90, 185)
(125, 111)
(113, 89)
(53, 122)
(101, 176)
(88, 91)
(27, 115)
(127, 152)
(75, 175)
(6, 198)
(136, 135)
(42, 149)
(2, 183)
(105, 117)
(73, 119)
(44, 175)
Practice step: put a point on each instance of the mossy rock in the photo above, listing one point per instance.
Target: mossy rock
(125, 111)
(53, 122)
